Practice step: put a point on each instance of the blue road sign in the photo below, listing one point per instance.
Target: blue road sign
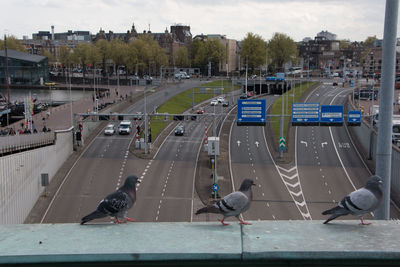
(215, 187)
(305, 114)
(331, 115)
(354, 118)
(251, 112)
(280, 76)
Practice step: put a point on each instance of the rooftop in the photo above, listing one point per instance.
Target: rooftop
(21, 55)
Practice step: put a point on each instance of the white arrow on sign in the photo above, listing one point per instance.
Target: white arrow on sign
(238, 142)
(324, 143)
(257, 143)
(303, 142)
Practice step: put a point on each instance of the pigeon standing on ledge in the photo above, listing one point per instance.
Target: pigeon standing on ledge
(232, 204)
(359, 202)
(116, 204)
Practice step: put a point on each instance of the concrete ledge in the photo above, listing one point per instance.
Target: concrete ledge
(267, 242)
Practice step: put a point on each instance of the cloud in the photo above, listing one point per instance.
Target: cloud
(354, 20)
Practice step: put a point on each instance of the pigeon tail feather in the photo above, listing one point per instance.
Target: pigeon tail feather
(208, 209)
(332, 211)
(94, 215)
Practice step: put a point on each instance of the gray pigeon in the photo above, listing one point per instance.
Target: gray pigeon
(116, 204)
(359, 202)
(232, 204)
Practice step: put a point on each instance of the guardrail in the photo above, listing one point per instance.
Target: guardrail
(17, 143)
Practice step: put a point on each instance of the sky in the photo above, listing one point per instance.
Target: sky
(354, 20)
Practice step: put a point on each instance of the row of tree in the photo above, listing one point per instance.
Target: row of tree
(145, 56)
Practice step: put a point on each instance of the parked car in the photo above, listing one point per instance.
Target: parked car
(214, 102)
(109, 130)
(134, 77)
(147, 77)
(125, 127)
(180, 130)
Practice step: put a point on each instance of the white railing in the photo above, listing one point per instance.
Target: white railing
(14, 143)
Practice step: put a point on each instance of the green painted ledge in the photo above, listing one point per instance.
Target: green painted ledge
(264, 241)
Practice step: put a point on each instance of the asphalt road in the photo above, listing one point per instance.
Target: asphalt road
(329, 165)
(103, 167)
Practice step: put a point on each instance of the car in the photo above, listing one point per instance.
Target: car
(335, 84)
(138, 116)
(220, 99)
(225, 103)
(125, 127)
(200, 111)
(214, 102)
(243, 96)
(109, 130)
(180, 130)
(147, 77)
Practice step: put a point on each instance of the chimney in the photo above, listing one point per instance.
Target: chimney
(52, 32)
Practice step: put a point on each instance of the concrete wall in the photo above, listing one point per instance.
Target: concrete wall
(20, 177)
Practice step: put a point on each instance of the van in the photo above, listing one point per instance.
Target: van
(125, 127)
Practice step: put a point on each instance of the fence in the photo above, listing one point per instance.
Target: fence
(20, 176)
(15, 143)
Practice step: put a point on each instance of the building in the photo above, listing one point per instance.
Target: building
(322, 53)
(372, 62)
(23, 68)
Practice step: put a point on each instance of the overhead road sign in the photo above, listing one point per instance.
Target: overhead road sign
(354, 118)
(331, 115)
(280, 76)
(251, 112)
(305, 114)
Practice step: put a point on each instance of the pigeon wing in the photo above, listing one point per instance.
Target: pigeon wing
(234, 203)
(362, 201)
(114, 203)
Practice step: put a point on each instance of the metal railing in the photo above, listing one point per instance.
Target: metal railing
(16, 143)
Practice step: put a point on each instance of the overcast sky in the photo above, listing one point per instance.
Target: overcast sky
(348, 19)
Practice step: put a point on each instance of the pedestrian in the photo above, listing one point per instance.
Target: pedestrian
(44, 129)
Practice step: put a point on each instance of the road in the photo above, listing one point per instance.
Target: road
(103, 167)
(329, 165)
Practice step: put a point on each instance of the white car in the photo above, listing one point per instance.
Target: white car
(220, 99)
(109, 130)
(214, 102)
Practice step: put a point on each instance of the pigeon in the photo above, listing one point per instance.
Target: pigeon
(233, 204)
(359, 202)
(116, 204)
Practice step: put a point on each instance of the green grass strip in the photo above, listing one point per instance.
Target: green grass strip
(298, 91)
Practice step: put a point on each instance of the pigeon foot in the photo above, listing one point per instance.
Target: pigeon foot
(118, 221)
(223, 223)
(243, 222)
(364, 223)
(130, 220)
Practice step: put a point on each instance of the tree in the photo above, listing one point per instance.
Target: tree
(282, 49)
(369, 42)
(118, 52)
(104, 49)
(343, 44)
(65, 57)
(94, 56)
(50, 57)
(13, 43)
(198, 53)
(254, 48)
(131, 58)
(81, 56)
(181, 57)
(215, 53)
